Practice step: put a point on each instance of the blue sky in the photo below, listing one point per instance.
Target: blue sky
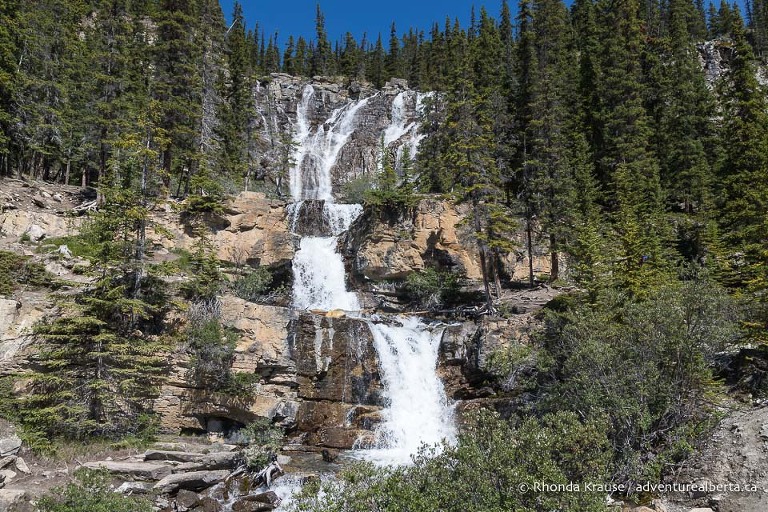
(297, 17)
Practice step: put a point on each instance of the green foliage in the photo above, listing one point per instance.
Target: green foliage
(207, 280)
(356, 190)
(252, 284)
(494, 467)
(17, 270)
(643, 363)
(433, 288)
(263, 439)
(91, 492)
(390, 190)
(206, 196)
(212, 347)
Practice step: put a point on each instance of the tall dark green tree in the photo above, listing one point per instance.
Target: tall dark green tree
(178, 86)
(628, 167)
(744, 173)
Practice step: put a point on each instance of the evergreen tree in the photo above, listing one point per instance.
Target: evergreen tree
(375, 71)
(392, 62)
(8, 33)
(322, 57)
(628, 168)
(178, 86)
(101, 360)
(744, 173)
(233, 161)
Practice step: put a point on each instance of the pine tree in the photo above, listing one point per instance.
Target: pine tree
(322, 58)
(628, 168)
(392, 61)
(101, 359)
(8, 33)
(178, 86)
(375, 71)
(233, 161)
(744, 173)
(469, 155)
(684, 112)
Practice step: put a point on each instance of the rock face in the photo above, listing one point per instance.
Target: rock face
(393, 244)
(338, 379)
(736, 455)
(254, 230)
(263, 349)
(390, 113)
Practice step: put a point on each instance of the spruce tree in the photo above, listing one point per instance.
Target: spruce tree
(628, 168)
(744, 174)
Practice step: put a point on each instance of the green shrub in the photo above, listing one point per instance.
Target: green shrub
(432, 288)
(263, 439)
(494, 467)
(16, 269)
(91, 492)
(253, 284)
(644, 363)
(354, 191)
(213, 349)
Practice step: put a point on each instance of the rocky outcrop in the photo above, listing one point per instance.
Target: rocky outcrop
(17, 317)
(729, 474)
(390, 245)
(263, 349)
(253, 231)
(338, 377)
(391, 112)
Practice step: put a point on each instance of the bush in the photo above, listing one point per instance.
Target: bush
(432, 288)
(354, 191)
(16, 269)
(494, 467)
(213, 348)
(644, 363)
(263, 439)
(253, 284)
(91, 492)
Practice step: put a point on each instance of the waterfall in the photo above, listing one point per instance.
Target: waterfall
(417, 410)
(317, 152)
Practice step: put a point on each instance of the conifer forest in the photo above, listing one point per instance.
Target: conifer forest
(514, 263)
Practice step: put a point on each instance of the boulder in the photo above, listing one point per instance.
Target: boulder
(7, 461)
(194, 481)
(10, 446)
(21, 465)
(35, 233)
(257, 502)
(217, 460)
(186, 500)
(11, 497)
(134, 488)
(208, 504)
(132, 470)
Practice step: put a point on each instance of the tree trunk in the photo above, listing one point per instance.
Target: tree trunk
(66, 172)
(529, 243)
(483, 261)
(555, 274)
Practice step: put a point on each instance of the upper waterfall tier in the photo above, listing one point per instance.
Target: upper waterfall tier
(335, 131)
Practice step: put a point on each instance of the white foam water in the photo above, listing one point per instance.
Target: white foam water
(317, 152)
(418, 411)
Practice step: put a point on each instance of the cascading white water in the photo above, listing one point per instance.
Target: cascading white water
(317, 153)
(418, 411)
(319, 281)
